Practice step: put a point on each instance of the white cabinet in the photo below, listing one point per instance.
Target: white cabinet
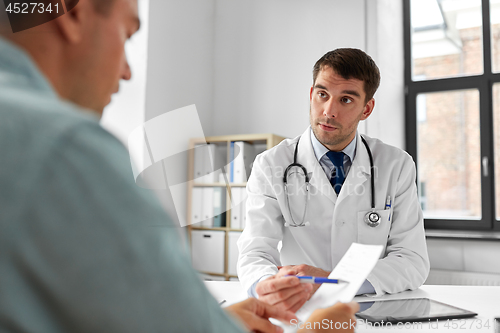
(207, 250)
(233, 252)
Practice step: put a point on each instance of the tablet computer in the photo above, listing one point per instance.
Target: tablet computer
(409, 310)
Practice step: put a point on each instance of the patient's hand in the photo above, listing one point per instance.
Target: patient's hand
(340, 318)
(255, 315)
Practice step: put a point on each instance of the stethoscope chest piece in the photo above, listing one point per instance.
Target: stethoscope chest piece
(372, 218)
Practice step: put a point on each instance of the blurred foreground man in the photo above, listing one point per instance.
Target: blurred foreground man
(82, 248)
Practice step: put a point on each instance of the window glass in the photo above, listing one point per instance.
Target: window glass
(448, 143)
(495, 34)
(496, 134)
(447, 38)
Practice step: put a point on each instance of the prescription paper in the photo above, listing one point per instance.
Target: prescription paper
(354, 267)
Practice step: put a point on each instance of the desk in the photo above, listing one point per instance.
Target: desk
(483, 300)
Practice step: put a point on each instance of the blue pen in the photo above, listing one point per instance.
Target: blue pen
(318, 280)
(388, 205)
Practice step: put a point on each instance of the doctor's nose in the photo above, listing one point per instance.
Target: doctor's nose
(330, 110)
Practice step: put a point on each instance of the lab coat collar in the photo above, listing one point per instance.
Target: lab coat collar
(358, 174)
(317, 176)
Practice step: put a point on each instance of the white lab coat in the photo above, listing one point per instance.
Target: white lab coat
(335, 222)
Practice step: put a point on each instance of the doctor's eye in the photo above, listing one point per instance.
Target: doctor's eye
(346, 100)
(322, 94)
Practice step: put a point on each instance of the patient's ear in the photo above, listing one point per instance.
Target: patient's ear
(73, 24)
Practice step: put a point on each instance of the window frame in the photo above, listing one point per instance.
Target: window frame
(484, 84)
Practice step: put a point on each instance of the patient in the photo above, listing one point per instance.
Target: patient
(82, 248)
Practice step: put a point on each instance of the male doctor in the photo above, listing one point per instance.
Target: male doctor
(316, 232)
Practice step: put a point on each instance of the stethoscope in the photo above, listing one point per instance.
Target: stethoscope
(372, 218)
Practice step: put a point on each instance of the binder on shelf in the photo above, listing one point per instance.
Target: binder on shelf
(198, 163)
(219, 206)
(207, 161)
(208, 165)
(235, 208)
(213, 160)
(231, 162)
(196, 205)
(219, 153)
(208, 207)
(242, 161)
(238, 207)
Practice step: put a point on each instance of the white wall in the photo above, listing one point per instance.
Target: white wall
(384, 37)
(127, 108)
(181, 57)
(264, 54)
(247, 66)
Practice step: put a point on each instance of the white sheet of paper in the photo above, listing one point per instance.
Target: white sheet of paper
(354, 267)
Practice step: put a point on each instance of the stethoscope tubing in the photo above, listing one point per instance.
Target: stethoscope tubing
(306, 178)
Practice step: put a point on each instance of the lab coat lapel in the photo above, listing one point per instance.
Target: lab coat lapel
(318, 178)
(360, 172)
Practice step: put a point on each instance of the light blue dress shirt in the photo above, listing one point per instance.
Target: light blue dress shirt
(327, 165)
(82, 247)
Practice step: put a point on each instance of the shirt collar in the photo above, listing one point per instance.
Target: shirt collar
(320, 150)
(17, 69)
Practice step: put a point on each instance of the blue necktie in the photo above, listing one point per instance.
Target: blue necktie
(338, 174)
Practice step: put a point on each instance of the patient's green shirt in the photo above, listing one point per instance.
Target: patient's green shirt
(82, 247)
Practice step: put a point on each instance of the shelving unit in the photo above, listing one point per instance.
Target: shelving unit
(267, 141)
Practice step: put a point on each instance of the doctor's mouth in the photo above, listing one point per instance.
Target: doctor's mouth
(328, 128)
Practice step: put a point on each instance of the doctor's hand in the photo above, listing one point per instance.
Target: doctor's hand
(255, 315)
(306, 270)
(284, 292)
(339, 318)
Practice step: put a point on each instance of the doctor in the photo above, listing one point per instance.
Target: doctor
(341, 187)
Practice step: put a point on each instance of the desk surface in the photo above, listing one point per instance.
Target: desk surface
(483, 300)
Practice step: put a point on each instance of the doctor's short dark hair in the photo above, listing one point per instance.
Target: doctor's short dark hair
(351, 63)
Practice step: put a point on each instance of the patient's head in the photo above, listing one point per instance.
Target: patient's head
(82, 53)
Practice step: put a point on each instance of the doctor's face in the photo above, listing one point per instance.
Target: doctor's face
(337, 106)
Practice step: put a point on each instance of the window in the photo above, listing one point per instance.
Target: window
(452, 78)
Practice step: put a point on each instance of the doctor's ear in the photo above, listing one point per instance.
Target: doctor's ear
(368, 109)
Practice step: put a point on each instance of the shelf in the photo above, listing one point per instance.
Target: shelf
(219, 184)
(272, 139)
(209, 228)
(209, 184)
(216, 228)
(262, 142)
